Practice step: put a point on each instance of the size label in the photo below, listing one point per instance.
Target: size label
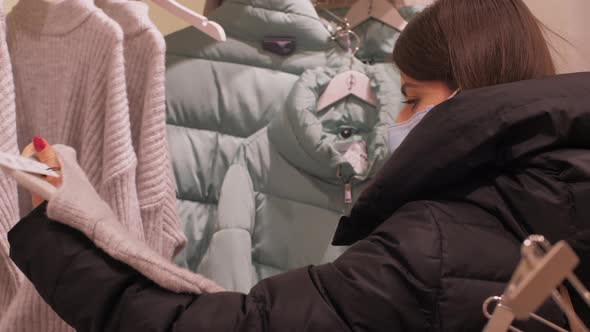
(23, 164)
(356, 155)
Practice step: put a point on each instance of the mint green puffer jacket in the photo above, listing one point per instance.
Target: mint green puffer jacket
(283, 195)
(219, 94)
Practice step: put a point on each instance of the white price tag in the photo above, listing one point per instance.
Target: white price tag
(19, 163)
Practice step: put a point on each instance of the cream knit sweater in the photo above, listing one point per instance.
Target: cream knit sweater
(69, 76)
(9, 274)
(145, 50)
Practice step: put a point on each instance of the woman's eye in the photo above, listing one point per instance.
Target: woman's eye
(412, 102)
(346, 132)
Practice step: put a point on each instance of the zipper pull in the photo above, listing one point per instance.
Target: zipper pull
(348, 194)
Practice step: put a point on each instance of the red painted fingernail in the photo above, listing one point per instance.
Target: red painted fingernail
(39, 144)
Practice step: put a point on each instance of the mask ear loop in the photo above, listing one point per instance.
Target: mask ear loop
(454, 94)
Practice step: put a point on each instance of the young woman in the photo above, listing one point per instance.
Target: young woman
(437, 232)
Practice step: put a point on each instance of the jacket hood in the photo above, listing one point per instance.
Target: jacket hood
(519, 150)
(312, 141)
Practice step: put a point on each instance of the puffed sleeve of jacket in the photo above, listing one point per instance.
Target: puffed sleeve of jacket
(367, 288)
(228, 259)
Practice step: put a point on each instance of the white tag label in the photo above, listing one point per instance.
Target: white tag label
(356, 155)
(28, 165)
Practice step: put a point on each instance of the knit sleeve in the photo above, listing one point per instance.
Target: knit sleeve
(9, 275)
(107, 155)
(155, 182)
(173, 238)
(118, 185)
(8, 194)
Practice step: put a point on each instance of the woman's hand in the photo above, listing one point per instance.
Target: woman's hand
(45, 154)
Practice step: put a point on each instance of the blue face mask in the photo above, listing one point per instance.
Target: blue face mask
(398, 132)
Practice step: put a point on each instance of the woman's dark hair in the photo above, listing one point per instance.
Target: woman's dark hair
(474, 43)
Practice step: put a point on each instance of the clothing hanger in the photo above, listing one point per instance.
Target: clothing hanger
(350, 82)
(199, 21)
(541, 270)
(381, 10)
(332, 4)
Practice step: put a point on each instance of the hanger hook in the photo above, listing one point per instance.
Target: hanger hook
(357, 41)
(487, 312)
(344, 28)
(486, 305)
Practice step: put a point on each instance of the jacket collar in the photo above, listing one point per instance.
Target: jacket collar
(247, 23)
(307, 139)
(495, 129)
(377, 39)
(253, 20)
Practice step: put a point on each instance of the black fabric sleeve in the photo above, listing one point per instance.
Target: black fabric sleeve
(93, 292)
(373, 286)
(394, 273)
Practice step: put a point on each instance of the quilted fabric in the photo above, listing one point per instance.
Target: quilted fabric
(377, 38)
(283, 195)
(219, 94)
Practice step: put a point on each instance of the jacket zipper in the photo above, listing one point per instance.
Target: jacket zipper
(347, 191)
(348, 194)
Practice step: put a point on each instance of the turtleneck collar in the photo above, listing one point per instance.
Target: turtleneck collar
(132, 16)
(301, 137)
(52, 17)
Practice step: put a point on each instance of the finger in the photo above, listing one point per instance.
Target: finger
(28, 151)
(45, 153)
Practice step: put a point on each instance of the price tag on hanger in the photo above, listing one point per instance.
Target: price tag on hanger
(19, 163)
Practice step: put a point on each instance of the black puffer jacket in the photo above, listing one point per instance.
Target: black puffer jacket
(436, 234)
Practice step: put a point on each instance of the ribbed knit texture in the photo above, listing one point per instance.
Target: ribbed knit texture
(9, 274)
(145, 50)
(28, 312)
(69, 76)
(78, 205)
